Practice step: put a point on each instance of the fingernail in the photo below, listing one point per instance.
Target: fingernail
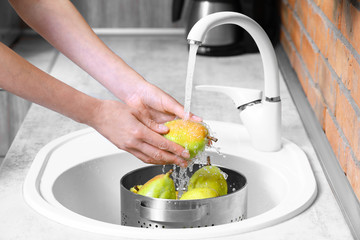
(163, 128)
(183, 164)
(196, 118)
(185, 154)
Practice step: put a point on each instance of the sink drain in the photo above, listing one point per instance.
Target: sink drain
(146, 212)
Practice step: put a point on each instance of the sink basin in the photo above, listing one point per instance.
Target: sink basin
(75, 180)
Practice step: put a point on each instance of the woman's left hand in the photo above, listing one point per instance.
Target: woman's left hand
(156, 104)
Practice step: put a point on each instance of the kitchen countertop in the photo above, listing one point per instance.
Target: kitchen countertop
(162, 60)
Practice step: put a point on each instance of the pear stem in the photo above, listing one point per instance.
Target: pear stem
(208, 161)
(170, 172)
(214, 139)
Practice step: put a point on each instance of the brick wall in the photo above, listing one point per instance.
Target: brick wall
(322, 41)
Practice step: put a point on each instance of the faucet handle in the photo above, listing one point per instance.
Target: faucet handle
(240, 96)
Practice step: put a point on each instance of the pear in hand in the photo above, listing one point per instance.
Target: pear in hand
(199, 193)
(193, 136)
(209, 177)
(160, 186)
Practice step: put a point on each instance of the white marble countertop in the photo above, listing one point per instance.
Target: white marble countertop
(162, 60)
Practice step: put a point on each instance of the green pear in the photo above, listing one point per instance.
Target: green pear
(160, 186)
(193, 136)
(199, 193)
(209, 177)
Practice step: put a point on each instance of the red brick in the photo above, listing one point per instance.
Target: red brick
(332, 10)
(346, 22)
(284, 15)
(337, 144)
(353, 175)
(327, 84)
(345, 116)
(354, 80)
(292, 3)
(350, 24)
(304, 11)
(341, 62)
(355, 40)
(310, 23)
(356, 143)
(286, 45)
(284, 41)
(294, 60)
(295, 31)
(321, 34)
(331, 51)
(318, 2)
(309, 55)
(316, 102)
(300, 72)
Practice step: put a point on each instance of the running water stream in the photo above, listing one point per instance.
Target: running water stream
(189, 78)
(181, 177)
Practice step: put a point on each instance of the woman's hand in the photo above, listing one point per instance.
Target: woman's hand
(134, 131)
(134, 128)
(149, 107)
(156, 104)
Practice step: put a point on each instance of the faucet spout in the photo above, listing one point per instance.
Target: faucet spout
(271, 72)
(263, 121)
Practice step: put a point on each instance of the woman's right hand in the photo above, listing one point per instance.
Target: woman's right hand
(134, 132)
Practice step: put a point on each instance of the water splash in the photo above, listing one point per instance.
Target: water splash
(180, 175)
(224, 174)
(181, 179)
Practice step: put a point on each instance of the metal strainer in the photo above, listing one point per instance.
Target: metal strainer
(147, 212)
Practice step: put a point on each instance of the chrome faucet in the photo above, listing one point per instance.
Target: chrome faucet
(260, 115)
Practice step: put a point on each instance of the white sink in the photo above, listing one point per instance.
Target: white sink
(75, 180)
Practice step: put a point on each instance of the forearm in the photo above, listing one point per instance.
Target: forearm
(61, 24)
(25, 80)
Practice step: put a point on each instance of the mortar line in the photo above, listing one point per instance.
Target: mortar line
(342, 135)
(340, 186)
(336, 31)
(342, 87)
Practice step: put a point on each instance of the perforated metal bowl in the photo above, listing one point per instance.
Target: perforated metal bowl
(147, 212)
